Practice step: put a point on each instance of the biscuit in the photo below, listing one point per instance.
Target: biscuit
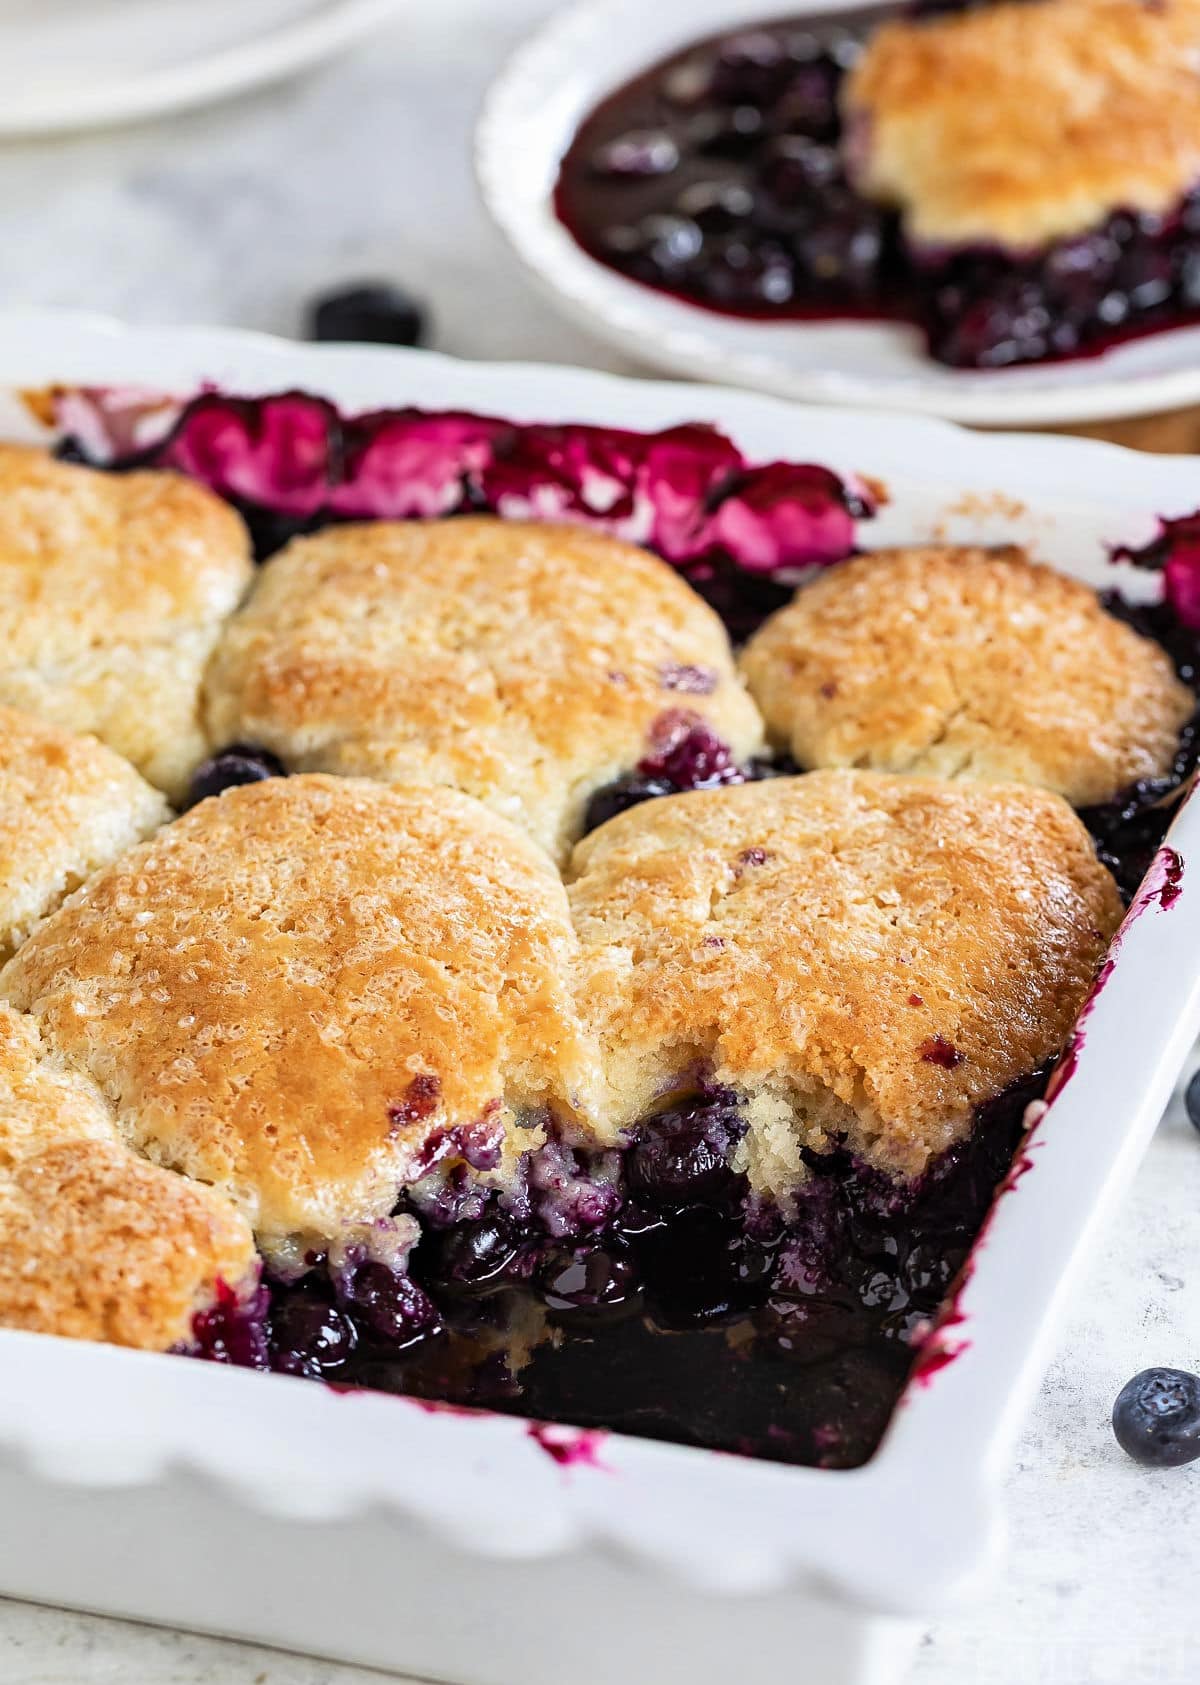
(519, 662)
(857, 956)
(68, 805)
(112, 588)
(308, 992)
(963, 663)
(1016, 124)
(95, 1243)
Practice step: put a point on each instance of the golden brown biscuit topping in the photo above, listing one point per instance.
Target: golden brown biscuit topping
(966, 663)
(1016, 124)
(307, 990)
(112, 588)
(857, 954)
(520, 662)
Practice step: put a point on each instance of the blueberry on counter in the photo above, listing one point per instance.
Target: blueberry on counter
(1191, 1100)
(374, 313)
(1157, 1418)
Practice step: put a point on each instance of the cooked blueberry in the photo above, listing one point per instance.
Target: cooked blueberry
(730, 133)
(641, 152)
(392, 1306)
(310, 1337)
(477, 1254)
(375, 313)
(795, 165)
(689, 755)
(628, 791)
(233, 1330)
(682, 1156)
(1157, 1417)
(716, 205)
(240, 763)
(1191, 1100)
(590, 1283)
(669, 243)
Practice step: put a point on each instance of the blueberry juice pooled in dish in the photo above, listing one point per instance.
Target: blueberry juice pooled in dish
(1018, 180)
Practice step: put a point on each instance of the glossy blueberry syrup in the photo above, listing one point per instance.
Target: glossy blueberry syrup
(716, 176)
(643, 1291)
(688, 1312)
(740, 532)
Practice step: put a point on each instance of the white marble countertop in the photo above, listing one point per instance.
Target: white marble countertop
(238, 216)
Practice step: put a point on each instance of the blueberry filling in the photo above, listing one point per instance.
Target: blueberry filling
(674, 1306)
(684, 753)
(1129, 830)
(740, 532)
(240, 763)
(716, 176)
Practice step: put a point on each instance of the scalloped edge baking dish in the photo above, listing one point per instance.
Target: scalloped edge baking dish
(485, 1549)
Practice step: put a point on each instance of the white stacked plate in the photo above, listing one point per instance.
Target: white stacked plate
(72, 64)
(592, 49)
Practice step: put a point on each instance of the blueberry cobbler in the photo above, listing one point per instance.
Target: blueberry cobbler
(542, 1001)
(1019, 180)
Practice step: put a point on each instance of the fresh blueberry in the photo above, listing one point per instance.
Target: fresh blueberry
(1157, 1418)
(1191, 1100)
(375, 313)
(240, 763)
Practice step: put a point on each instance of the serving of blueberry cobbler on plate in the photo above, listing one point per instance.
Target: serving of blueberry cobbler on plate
(540, 917)
(1017, 180)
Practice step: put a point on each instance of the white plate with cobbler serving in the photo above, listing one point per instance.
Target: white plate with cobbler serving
(987, 213)
(580, 960)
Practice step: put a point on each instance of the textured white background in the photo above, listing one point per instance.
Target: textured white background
(237, 216)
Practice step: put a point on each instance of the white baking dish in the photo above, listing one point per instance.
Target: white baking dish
(471, 1547)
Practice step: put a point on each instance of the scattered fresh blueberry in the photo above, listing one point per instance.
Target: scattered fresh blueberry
(1157, 1418)
(240, 763)
(375, 313)
(1191, 1100)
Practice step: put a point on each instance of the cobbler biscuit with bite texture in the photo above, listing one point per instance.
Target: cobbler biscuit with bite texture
(857, 955)
(309, 992)
(520, 662)
(68, 805)
(94, 1242)
(966, 663)
(1015, 124)
(112, 589)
